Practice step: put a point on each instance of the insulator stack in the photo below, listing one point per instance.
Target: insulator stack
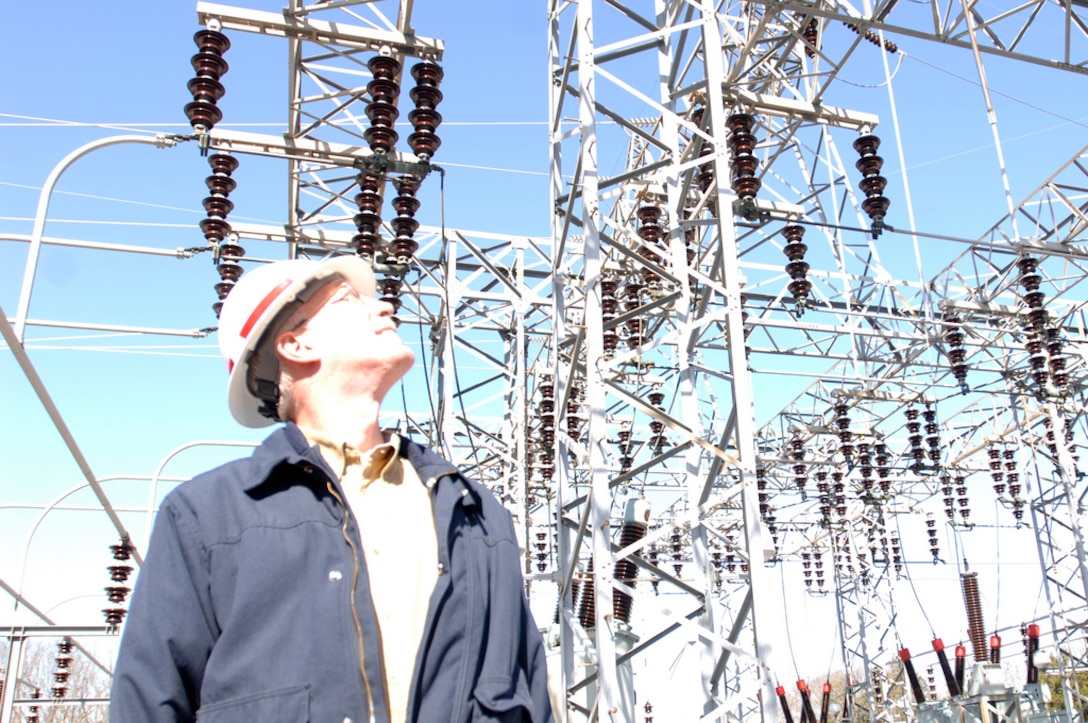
(914, 427)
(636, 325)
(961, 665)
(997, 471)
(705, 177)
(806, 565)
(957, 352)
(781, 691)
(609, 309)
(654, 579)
(995, 649)
(541, 546)
(949, 501)
(743, 162)
(931, 532)
(658, 438)
(824, 488)
(676, 546)
(369, 219)
(648, 709)
(797, 268)
(425, 119)
(842, 422)
(872, 183)
(404, 225)
(883, 471)
(63, 671)
(838, 490)
(800, 469)
(730, 554)
(203, 112)
(33, 709)
(825, 702)
(1012, 476)
(217, 230)
(897, 554)
(381, 109)
(961, 497)
(626, 571)
(545, 410)
(651, 232)
(875, 675)
(931, 681)
(874, 38)
(122, 552)
(969, 584)
(865, 468)
(1032, 643)
(766, 512)
(626, 446)
(811, 34)
(915, 686)
(575, 417)
(819, 562)
(933, 439)
(587, 606)
(1044, 344)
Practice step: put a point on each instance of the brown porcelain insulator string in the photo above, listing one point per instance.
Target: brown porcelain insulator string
(872, 183)
(743, 162)
(797, 268)
(425, 119)
(874, 38)
(626, 570)
(382, 107)
(883, 471)
(957, 353)
(609, 310)
(651, 233)
(842, 423)
(216, 228)
(800, 469)
(704, 178)
(203, 112)
(931, 533)
(865, 468)
(545, 410)
(658, 438)
(368, 221)
(914, 428)
(811, 34)
(404, 225)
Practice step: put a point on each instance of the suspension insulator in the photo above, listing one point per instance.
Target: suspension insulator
(799, 286)
(381, 109)
(202, 112)
(872, 183)
(811, 33)
(425, 119)
(743, 162)
(874, 38)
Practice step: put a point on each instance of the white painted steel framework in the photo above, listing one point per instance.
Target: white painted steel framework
(651, 351)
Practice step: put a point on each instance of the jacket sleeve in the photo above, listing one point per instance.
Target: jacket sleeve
(170, 629)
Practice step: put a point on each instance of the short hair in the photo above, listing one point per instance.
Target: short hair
(280, 399)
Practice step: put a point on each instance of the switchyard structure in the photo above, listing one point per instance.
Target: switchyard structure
(751, 364)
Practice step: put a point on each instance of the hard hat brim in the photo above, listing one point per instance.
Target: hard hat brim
(244, 405)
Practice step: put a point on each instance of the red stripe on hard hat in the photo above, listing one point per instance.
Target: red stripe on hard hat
(261, 307)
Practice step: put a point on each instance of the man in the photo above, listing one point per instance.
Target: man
(340, 573)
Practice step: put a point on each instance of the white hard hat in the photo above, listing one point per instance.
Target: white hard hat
(261, 300)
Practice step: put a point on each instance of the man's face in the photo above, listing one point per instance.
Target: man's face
(353, 334)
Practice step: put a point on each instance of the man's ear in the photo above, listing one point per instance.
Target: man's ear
(291, 346)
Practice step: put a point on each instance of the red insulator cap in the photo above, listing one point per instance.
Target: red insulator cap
(904, 654)
(961, 651)
(801, 685)
(1033, 631)
(780, 690)
(827, 688)
(995, 641)
(938, 645)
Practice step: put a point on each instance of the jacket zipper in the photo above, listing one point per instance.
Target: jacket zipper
(354, 612)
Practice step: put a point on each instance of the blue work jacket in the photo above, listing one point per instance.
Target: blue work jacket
(245, 608)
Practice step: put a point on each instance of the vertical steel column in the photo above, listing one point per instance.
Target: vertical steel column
(743, 406)
(11, 676)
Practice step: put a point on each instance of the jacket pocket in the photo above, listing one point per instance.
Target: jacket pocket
(503, 701)
(286, 705)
